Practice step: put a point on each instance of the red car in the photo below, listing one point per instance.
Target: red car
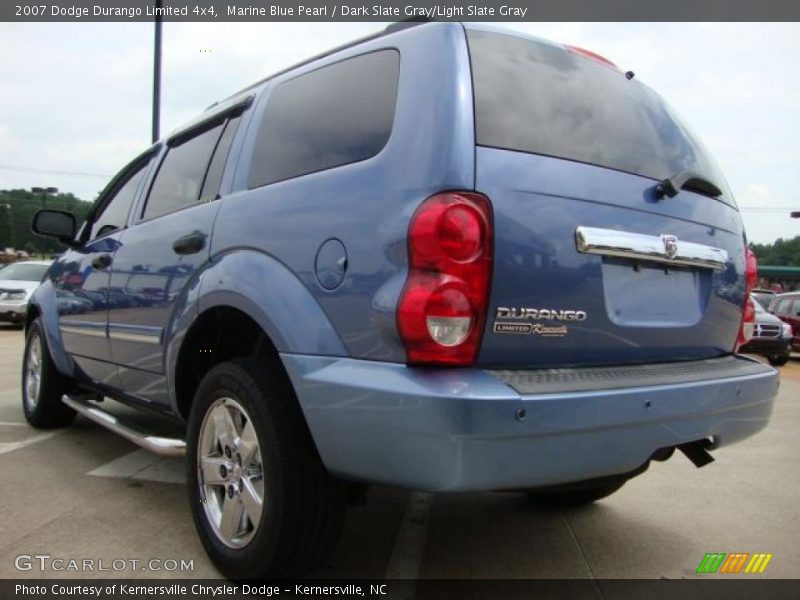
(787, 308)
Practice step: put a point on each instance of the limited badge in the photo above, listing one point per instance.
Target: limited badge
(523, 321)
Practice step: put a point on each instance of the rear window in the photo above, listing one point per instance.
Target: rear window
(333, 116)
(542, 99)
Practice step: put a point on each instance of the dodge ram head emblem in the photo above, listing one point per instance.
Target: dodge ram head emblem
(670, 245)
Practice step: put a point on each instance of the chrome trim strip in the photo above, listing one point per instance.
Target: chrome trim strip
(665, 249)
(83, 328)
(142, 338)
(159, 445)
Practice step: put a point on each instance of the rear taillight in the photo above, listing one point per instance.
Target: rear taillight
(442, 309)
(748, 323)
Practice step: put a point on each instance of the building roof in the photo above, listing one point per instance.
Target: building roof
(780, 270)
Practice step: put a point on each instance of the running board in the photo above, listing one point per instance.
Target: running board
(159, 445)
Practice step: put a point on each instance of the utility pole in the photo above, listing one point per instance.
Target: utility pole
(157, 74)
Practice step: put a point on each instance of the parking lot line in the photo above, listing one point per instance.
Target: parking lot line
(11, 446)
(145, 466)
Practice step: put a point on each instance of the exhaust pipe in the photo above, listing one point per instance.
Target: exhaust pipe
(697, 452)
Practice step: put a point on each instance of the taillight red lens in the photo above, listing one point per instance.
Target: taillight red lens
(461, 232)
(442, 309)
(750, 271)
(747, 326)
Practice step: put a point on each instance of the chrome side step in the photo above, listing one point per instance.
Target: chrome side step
(159, 445)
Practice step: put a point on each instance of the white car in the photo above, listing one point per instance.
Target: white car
(17, 282)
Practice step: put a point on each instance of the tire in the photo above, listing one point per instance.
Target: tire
(42, 384)
(302, 505)
(778, 361)
(576, 494)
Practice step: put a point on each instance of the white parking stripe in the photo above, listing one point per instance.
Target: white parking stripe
(144, 465)
(11, 446)
(410, 544)
(12, 424)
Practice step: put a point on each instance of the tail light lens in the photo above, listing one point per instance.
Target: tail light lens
(748, 324)
(442, 308)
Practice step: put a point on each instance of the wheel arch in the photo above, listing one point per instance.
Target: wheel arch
(43, 305)
(247, 303)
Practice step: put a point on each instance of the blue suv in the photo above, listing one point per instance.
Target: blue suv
(443, 257)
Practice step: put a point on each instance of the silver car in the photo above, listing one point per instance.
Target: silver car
(17, 282)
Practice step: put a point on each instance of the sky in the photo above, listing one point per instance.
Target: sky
(75, 101)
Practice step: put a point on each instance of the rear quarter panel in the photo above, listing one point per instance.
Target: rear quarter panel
(366, 205)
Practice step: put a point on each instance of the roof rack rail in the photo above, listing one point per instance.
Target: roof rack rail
(406, 23)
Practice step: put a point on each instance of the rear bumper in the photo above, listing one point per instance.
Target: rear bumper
(464, 430)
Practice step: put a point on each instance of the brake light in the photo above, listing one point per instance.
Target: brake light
(592, 56)
(747, 326)
(442, 308)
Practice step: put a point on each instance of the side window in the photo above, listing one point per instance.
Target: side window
(217, 166)
(115, 214)
(783, 307)
(180, 177)
(333, 116)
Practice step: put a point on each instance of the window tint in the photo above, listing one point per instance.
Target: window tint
(115, 214)
(181, 175)
(537, 98)
(217, 166)
(333, 116)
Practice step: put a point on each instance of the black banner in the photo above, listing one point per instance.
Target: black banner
(397, 10)
(711, 588)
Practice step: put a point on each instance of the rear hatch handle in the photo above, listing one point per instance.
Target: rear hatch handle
(687, 180)
(666, 249)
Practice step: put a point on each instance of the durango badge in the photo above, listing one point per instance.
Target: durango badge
(518, 321)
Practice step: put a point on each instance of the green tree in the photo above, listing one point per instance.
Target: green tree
(780, 253)
(23, 206)
(6, 227)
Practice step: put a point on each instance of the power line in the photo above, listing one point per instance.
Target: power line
(53, 171)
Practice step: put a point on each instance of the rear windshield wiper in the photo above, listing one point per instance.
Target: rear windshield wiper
(687, 180)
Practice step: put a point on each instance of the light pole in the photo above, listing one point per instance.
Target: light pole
(44, 191)
(157, 74)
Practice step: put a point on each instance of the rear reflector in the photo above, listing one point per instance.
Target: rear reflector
(442, 308)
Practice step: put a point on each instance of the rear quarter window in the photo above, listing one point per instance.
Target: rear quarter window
(336, 115)
(542, 99)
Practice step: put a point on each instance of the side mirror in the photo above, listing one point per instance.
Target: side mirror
(57, 224)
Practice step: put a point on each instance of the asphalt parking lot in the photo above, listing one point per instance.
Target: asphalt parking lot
(85, 493)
